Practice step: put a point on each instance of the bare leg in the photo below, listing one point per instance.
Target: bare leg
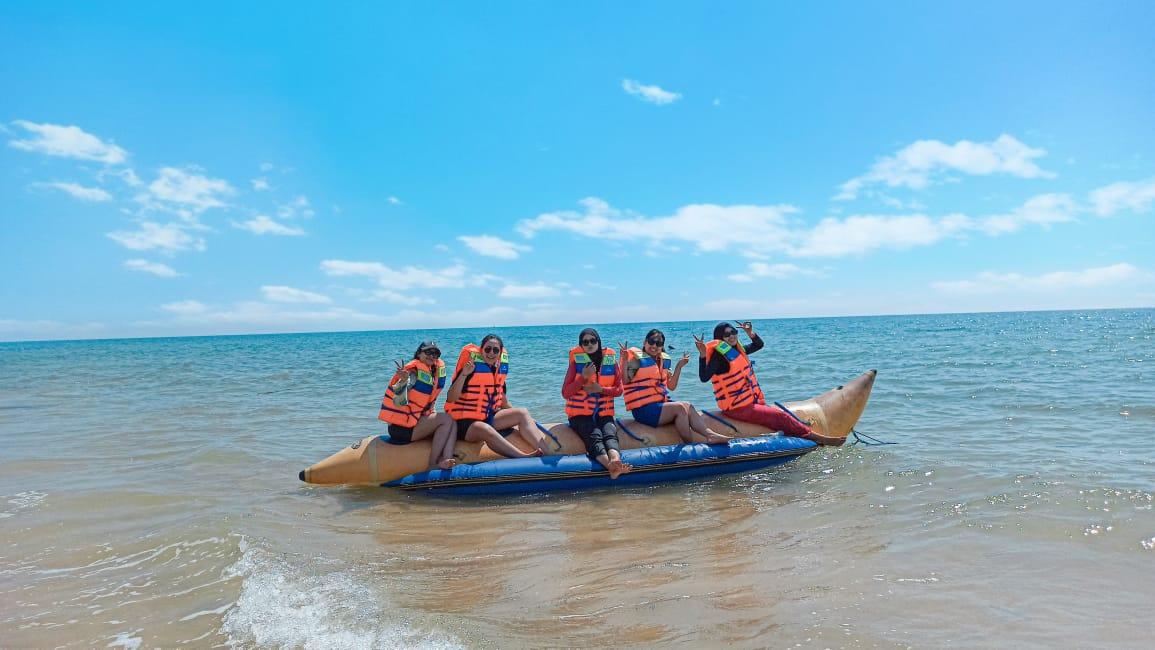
(441, 454)
(676, 413)
(424, 428)
(526, 427)
(699, 425)
(482, 432)
(432, 425)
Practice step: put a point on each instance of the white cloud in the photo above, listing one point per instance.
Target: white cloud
(267, 166)
(68, 142)
(186, 308)
(280, 293)
(94, 194)
(1058, 281)
(491, 246)
(400, 298)
(441, 248)
(263, 225)
(924, 162)
(1044, 210)
(537, 290)
(652, 94)
(155, 268)
(260, 184)
(777, 271)
(1136, 197)
(169, 238)
(188, 189)
(862, 233)
(709, 227)
(409, 277)
(298, 207)
(394, 200)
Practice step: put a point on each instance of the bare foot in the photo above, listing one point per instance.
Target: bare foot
(617, 468)
(715, 438)
(448, 463)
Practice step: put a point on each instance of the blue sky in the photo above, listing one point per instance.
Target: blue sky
(209, 169)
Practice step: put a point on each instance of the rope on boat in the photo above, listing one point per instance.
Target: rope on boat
(623, 427)
(868, 440)
(791, 414)
(548, 433)
(720, 419)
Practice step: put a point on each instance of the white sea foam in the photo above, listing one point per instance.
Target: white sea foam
(313, 606)
(21, 501)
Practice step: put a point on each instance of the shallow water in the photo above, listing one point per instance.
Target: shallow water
(148, 496)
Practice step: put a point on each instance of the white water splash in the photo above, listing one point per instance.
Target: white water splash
(287, 604)
(21, 501)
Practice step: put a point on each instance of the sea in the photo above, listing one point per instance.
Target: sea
(149, 498)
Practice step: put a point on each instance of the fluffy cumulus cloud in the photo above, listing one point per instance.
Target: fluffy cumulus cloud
(262, 225)
(1135, 197)
(652, 94)
(1057, 281)
(1042, 210)
(280, 293)
(67, 142)
(298, 207)
(927, 161)
(188, 189)
(708, 227)
(536, 290)
(154, 268)
(491, 246)
(167, 238)
(862, 233)
(91, 194)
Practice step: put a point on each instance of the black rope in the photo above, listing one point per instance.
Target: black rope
(722, 420)
(867, 440)
(623, 427)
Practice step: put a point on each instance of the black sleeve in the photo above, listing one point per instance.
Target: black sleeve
(756, 344)
(704, 372)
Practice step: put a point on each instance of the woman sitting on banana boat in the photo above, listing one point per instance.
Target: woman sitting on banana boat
(591, 383)
(725, 362)
(477, 401)
(648, 383)
(408, 406)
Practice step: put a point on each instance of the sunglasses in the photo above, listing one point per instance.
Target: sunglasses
(491, 349)
(589, 341)
(729, 333)
(656, 342)
(436, 354)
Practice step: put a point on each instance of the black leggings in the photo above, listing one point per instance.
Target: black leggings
(598, 440)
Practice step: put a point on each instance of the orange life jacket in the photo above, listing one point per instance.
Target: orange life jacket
(422, 394)
(596, 404)
(483, 392)
(649, 383)
(738, 387)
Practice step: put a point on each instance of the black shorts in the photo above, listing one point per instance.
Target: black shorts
(399, 435)
(463, 428)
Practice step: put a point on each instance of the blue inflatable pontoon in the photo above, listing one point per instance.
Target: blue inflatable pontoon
(577, 472)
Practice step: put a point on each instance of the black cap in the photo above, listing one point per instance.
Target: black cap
(427, 345)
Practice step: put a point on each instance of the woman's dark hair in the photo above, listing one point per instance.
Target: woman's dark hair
(423, 346)
(595, 357)
(494, 337)
(650, 334)
(720, 328)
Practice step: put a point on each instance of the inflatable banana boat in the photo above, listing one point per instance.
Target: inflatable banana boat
(660, 451)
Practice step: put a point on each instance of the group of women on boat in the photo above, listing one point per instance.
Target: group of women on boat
(477, 407)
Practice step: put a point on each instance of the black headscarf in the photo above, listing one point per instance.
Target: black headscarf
(595, 357)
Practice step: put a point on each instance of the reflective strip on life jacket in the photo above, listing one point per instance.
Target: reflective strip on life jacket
(738, 386)
(596, 404)
(422, 394)
(484, 391)
(649, 383)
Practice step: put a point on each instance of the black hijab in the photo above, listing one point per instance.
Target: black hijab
(595, 357)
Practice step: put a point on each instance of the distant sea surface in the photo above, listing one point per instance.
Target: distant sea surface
(149, 497)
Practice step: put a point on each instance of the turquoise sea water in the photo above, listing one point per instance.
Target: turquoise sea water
(148, 496)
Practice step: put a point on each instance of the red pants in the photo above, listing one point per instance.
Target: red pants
(770, 416)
